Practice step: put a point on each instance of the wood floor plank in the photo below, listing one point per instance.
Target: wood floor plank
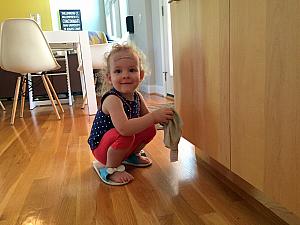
(213, 218)
(122, 206)
(34, 203)
(104, 205)
(46, 177)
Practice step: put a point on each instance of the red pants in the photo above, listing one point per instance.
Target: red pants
(113, 139)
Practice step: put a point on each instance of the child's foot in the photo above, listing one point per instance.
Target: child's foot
(143, 159)
(112, 176)
(121, 177)
(138, 160)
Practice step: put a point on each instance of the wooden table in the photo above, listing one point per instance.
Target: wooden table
(81, 40)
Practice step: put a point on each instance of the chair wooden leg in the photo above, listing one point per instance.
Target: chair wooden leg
(2, 106)
(13, 112)
(50, 96)
(23, 93)
(54, 93)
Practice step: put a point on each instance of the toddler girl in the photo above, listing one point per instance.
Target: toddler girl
(123, 125)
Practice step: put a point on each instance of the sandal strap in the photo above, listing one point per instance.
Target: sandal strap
(111, 170)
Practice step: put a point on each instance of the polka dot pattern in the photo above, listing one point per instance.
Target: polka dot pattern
(103, 123)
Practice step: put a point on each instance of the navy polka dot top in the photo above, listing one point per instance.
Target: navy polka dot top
(102, 122)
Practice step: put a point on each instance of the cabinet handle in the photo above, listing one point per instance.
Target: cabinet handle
(170, 1)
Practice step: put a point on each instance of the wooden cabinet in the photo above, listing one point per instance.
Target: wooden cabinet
(265, 97)
(237, 88)
(183, 79)
(201, 72)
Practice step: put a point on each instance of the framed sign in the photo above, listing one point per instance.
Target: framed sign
(70, 19)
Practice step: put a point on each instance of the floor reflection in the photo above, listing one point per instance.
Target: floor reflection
(187, 168)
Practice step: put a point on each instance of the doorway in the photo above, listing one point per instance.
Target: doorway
(167, 57)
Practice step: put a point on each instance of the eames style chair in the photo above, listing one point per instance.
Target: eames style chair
(25, 50)
(60, 53)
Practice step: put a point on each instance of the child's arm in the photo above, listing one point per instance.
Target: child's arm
(113, 106)
(144, 108)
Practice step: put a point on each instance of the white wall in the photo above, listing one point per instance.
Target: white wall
(147, 36)
(141, 10)
(158, 46)
(92, 13)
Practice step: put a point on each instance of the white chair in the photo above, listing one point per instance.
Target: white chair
(60, 52)
(24, 50)
(98, 52)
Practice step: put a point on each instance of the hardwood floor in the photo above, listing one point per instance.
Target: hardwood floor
(46, 178)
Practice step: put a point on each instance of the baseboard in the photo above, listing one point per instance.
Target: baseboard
(256, 198)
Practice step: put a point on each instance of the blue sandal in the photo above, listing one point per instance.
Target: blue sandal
(104, 172)
(133, 160)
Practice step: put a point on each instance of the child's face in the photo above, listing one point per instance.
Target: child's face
(125, 74)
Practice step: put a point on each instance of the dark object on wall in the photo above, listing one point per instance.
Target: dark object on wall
(70, 19)
(130, 24)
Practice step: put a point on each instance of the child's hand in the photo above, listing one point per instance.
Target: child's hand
(162, 115)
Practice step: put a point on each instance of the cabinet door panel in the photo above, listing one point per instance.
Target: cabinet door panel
(183, 74)
(247, 87)
(265, 96)
(201, 68)
(210, 19)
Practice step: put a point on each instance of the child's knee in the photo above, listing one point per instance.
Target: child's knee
(123, 142)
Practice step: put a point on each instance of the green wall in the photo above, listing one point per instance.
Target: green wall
(23, 9)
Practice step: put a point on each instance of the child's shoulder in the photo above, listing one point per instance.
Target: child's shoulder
(111, 98)
(111, 92)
